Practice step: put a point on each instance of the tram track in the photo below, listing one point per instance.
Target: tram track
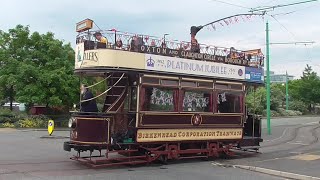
(284, 153)
(292, 136)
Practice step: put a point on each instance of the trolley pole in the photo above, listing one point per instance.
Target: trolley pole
(287, 92)
(268, 78)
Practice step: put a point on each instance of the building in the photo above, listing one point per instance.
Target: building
(278, 78)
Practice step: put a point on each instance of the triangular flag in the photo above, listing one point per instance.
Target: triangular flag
(225, 21)
(213, 27)
(236, 19)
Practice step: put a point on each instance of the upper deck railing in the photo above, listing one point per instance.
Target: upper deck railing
(160, 46)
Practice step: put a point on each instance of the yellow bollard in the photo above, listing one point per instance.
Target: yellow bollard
(50, 127)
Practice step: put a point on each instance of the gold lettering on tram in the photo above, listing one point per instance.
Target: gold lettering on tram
(149, 135)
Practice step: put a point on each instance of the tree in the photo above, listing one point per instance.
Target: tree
(37, 68)
(12, 54)
(257, 101)
(306, 89)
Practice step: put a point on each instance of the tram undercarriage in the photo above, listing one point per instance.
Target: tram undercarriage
(147, 153)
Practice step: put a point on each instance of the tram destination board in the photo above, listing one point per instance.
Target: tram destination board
(192, 55)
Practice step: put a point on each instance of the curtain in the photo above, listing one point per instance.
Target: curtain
(211, 102)
(215, 101)
(176, 103)
(182, 92)
(142, 98)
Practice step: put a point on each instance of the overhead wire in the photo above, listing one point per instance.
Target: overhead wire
(231, 4)
(294, 36)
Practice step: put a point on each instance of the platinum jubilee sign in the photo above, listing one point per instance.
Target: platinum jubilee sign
(193, 67)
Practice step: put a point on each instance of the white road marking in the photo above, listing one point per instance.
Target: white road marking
(310, 123)
(276, 173)
(297, 143)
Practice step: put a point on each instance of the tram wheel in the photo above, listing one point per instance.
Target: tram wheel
(163, 159)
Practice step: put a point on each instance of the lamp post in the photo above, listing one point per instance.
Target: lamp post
(164, 37)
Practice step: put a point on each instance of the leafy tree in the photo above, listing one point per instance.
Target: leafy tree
(257, 101)
(306, 89)
(37, 68)
(12, 53)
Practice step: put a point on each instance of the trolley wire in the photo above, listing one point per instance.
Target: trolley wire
(231, 4)
(284, 27)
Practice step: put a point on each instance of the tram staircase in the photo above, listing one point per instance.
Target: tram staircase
(117, 83)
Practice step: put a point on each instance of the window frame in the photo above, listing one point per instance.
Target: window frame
(216, 102)
(173, 88)
(181, 98)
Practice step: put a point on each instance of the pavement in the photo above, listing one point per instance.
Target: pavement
(292, 147)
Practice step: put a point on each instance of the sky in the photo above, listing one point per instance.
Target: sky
(175, 17)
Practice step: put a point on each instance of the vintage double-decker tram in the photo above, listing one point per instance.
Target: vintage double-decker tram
(162, 100)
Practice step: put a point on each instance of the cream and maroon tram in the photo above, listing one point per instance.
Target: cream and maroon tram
(162, 100)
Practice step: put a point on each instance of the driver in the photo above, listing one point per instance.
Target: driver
(87, 106)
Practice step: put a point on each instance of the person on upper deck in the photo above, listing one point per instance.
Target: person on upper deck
(195, 47)
(88, 104)
(100, 38)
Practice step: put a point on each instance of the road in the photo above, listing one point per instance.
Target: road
(292, 147)
(25, 155)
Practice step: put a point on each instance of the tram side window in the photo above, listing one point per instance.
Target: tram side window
(197, 101)
(229, 102)
(158, 99)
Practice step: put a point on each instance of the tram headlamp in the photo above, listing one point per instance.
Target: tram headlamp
(72, 123)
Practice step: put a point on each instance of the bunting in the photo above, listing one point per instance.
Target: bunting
(232, 20)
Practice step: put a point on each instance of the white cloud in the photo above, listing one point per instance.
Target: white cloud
(175, 18)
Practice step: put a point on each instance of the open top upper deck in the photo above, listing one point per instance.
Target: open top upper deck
(136, 52)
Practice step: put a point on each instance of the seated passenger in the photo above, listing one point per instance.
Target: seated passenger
(87, 106)
(100, 38)
(133, 44)
(163, 45)
(153, 43)
(119, 44)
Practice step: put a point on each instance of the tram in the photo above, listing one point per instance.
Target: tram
(162, 100)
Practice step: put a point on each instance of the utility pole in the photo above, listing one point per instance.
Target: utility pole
(287, 92)
(264, 10)
(268, 78)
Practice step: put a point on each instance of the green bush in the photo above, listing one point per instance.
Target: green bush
(284, 112)
(272, 113)
(31, 123)
(10, 116)
(7, 125)
(298, 106)
(35, 121)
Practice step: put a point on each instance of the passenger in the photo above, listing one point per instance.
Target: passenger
(87, 106)
(119, 44)
(153, 43)
(195, 47)
(163, 45)
(100, 38)
(133, 44)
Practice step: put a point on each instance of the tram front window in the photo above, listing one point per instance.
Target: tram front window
(229, 102)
